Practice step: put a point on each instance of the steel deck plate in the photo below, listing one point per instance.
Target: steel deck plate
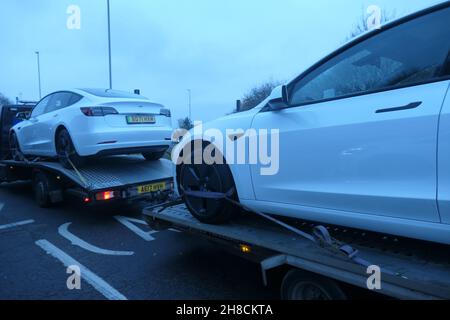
(423, 279)
(110, 172)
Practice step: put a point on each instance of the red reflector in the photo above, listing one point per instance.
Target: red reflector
(105, 196)
(87, 200)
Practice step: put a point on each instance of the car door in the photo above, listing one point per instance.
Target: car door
(444, 156)
(46, 125)
(360, 133)
(26, 132)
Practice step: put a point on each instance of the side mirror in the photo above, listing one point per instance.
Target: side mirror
(23, 115)
(278, 104)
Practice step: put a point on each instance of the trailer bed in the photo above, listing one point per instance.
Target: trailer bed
(109, 173)
(410, 276)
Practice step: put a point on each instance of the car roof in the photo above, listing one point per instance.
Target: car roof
(95, 94)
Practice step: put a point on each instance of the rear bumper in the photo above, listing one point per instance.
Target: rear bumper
(122, 141)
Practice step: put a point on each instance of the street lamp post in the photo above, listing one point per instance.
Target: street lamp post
(190, 103)
(39, 74)
(109, 47)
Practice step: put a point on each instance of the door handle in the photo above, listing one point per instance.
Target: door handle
(34, 120)
(412, 105)
(56, 116)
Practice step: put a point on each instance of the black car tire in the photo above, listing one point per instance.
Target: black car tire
(208, 177)
(16, 152)
(67, 155)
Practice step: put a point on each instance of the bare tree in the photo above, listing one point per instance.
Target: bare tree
(4, 101)
(185, 123)
(362, 27)
(258, 94)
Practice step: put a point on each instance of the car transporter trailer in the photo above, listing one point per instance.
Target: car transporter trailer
(317, 264)
(113, 179)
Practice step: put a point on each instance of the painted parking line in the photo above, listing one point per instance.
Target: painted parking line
(95, 281)
(130, 223)
(15, 224)
(76, 241)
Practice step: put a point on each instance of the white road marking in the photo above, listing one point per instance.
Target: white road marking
(95, 281)
(130, 224)
(16, 224)
(64, 232)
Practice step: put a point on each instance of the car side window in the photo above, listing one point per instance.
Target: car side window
(58, 101)
(408, 54)
(75, 98)
(446, 70)
(40, 107)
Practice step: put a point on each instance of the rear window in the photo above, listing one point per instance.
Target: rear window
(75, 98)
(106, 93)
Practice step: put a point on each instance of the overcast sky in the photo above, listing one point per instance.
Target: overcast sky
(218, 49)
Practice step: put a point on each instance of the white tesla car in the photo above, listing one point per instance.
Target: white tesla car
(364, 139)
(76, 124)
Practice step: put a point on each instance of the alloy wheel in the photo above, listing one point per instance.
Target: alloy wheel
(204, 178)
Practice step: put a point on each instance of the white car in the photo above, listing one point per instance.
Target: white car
(364, 139)
(76, 124)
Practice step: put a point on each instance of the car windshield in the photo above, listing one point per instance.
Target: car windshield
(106, 93)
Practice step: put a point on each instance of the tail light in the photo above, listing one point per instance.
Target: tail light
(98, 111)
(107, 195)
(165, 112)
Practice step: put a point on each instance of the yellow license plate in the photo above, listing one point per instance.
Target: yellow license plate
(141, 119)
(149, 188)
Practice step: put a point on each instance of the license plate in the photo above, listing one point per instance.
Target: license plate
(141, 119)
(149, 188)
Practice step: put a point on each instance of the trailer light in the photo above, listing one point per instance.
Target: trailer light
(87, 200)
(245, 249)
(105, 196)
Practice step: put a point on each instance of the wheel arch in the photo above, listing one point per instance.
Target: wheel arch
(12, 132)
(329, 288)
(60, 127)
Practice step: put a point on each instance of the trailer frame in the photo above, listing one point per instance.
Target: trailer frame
(406, 276)
(117, 177)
